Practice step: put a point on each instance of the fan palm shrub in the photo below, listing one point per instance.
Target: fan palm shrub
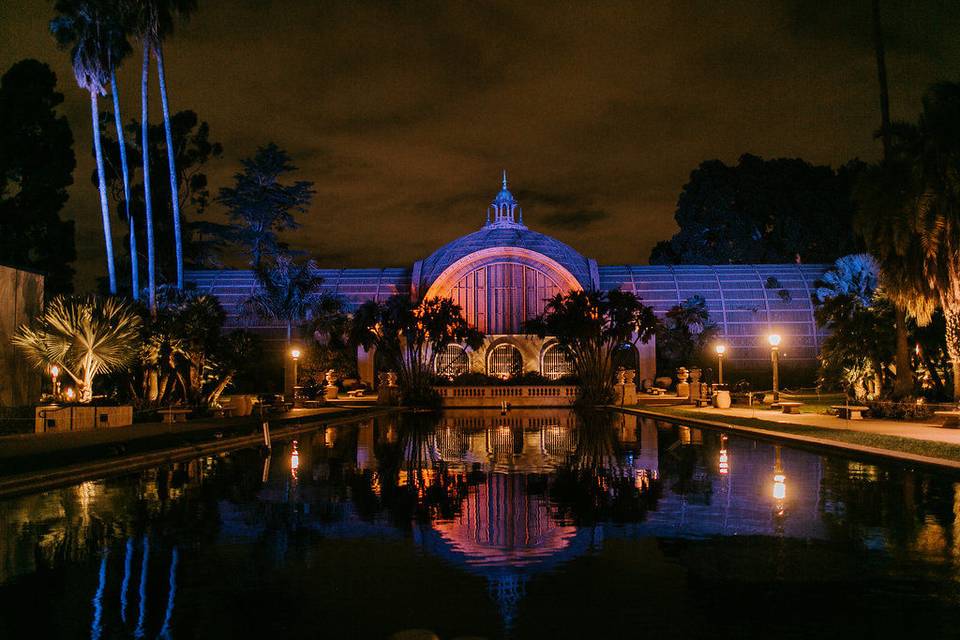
(85, 336)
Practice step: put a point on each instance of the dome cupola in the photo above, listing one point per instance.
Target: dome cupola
(504, 210)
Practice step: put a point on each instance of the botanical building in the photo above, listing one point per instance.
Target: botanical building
(503, 273)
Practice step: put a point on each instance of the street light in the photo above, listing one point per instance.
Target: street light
(775, 359)
(54, 386)
(721, 349)
(295, 354)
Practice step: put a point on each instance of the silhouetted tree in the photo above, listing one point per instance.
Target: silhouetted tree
(204, 240)
(761, 211)
(34, 180)
(592, 325)
(262, 205)
(407, 334)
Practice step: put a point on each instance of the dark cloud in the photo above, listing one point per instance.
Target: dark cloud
(574, 220)
(403, 114)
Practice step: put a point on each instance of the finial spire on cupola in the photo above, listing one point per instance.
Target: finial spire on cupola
(504, 210)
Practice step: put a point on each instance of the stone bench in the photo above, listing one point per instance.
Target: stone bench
(356, 393)
(951, 419)
(849, 412)
(787, 407)
(702, 402)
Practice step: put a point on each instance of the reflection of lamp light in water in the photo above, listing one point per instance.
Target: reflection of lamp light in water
(294, 460)
(724, 457)
(779, 481)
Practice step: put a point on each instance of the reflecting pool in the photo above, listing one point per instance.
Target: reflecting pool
(526, 525)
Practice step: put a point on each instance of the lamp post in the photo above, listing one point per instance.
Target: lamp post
(295, 355)
(54, 383)
(721, 349)
(775, 359)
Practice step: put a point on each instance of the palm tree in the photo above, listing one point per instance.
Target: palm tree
(118, 48)
(936, 207)
(157, 23)
(84, 336)
(143, 21)
(288, 293)
(80, 26)
(883, 230)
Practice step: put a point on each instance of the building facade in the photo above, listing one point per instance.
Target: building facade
(503, 273)
(21, 300)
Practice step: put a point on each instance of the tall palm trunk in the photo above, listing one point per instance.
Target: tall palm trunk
(952, 316)
(125, 170)
(903, 383)
(171, 152)
(101, 178)
(147, 200)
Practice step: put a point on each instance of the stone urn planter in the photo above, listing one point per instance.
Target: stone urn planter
(621, 375)
(721, 399)
(629, 375)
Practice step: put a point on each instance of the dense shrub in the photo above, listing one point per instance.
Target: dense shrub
(900, 410)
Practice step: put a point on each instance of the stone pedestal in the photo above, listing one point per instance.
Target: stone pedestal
(683, 389)
(388, 394)
(626, 394)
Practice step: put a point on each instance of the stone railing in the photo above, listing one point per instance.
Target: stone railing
(519, 396)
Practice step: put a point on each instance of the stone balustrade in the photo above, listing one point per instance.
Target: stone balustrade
(518, 396)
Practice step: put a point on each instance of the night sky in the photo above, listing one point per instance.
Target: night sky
(403, 113)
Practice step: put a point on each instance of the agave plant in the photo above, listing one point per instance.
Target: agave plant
(84, 336)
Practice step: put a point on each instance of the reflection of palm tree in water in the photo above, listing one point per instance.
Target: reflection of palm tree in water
(598, 482)
(415, 482)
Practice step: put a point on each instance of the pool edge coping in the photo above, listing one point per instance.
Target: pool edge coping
(769, 434)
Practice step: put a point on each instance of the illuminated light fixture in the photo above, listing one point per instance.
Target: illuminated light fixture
(774, 339)
(721, 349)
(54, 371)
(295, 354)
(779, 486)
(294, 460)
(70, 393)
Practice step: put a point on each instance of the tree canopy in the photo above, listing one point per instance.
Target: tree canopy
(262, 205)
(762, 211)
(34, 180)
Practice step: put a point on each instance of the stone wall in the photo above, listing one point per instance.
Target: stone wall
(21, 299)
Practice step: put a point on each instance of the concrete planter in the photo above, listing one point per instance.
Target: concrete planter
(56, 418)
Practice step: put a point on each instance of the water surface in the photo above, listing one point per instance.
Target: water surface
(534, 524)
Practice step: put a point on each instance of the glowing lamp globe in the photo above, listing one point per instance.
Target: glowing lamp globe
(774, 339)
(721, 349)
(295, 353)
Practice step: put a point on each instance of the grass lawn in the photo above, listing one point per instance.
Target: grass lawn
(900, 444)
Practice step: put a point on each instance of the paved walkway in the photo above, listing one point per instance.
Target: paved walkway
(33, 444)
(917, 430)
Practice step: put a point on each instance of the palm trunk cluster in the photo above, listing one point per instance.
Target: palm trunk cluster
(97, 33)
(593, 364)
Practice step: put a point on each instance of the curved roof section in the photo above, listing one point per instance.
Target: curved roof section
(505, 236)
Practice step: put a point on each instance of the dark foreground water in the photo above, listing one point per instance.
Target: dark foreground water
(533, 525)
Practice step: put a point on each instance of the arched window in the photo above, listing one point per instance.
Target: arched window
(451, 362)
(504, 360)
(555, 362)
